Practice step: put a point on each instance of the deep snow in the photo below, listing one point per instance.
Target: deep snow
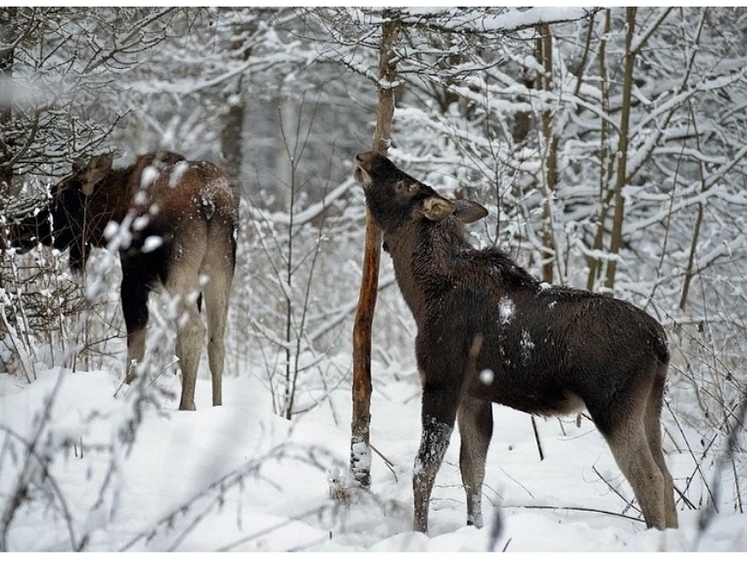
(238, 477)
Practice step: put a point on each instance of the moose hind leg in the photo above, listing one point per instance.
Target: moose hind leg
(190, 338)
(475, 418)
(653, 433)
(216, 305)
(630, 447)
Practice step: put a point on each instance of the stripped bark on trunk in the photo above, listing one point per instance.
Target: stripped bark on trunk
(360, 448)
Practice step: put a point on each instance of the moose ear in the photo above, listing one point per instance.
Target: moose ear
(469, 211)
(97, 170)
(437, 208)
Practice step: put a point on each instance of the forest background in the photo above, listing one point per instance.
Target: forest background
(607, 143)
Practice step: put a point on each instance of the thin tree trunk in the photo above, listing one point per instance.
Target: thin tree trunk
(689, 271)
(622, 150)
(360, 448)
(287, 142)
(549, 249)
(606, 167)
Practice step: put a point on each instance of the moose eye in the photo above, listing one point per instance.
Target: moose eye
(403, 187)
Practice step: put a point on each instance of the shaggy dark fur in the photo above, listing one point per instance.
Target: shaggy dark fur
(490, 332)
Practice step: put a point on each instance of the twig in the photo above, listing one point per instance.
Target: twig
(387, 462)
(612, 488)
(698, 469)
(577, 508)
(537, 439)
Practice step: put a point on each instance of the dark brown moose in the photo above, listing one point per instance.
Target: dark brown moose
(490, 332)
(177, 229)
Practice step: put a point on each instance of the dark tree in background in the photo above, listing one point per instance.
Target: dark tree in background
(7, 48)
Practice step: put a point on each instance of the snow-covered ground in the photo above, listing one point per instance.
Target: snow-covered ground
(130, 472)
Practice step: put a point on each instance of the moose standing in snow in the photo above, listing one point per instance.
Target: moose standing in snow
(181, 218)
(550, 350)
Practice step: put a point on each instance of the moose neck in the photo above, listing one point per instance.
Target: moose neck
(423, 255)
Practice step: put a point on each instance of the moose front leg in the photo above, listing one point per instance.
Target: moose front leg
(438, 415)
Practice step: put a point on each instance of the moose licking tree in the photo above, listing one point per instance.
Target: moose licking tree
(490, 332)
